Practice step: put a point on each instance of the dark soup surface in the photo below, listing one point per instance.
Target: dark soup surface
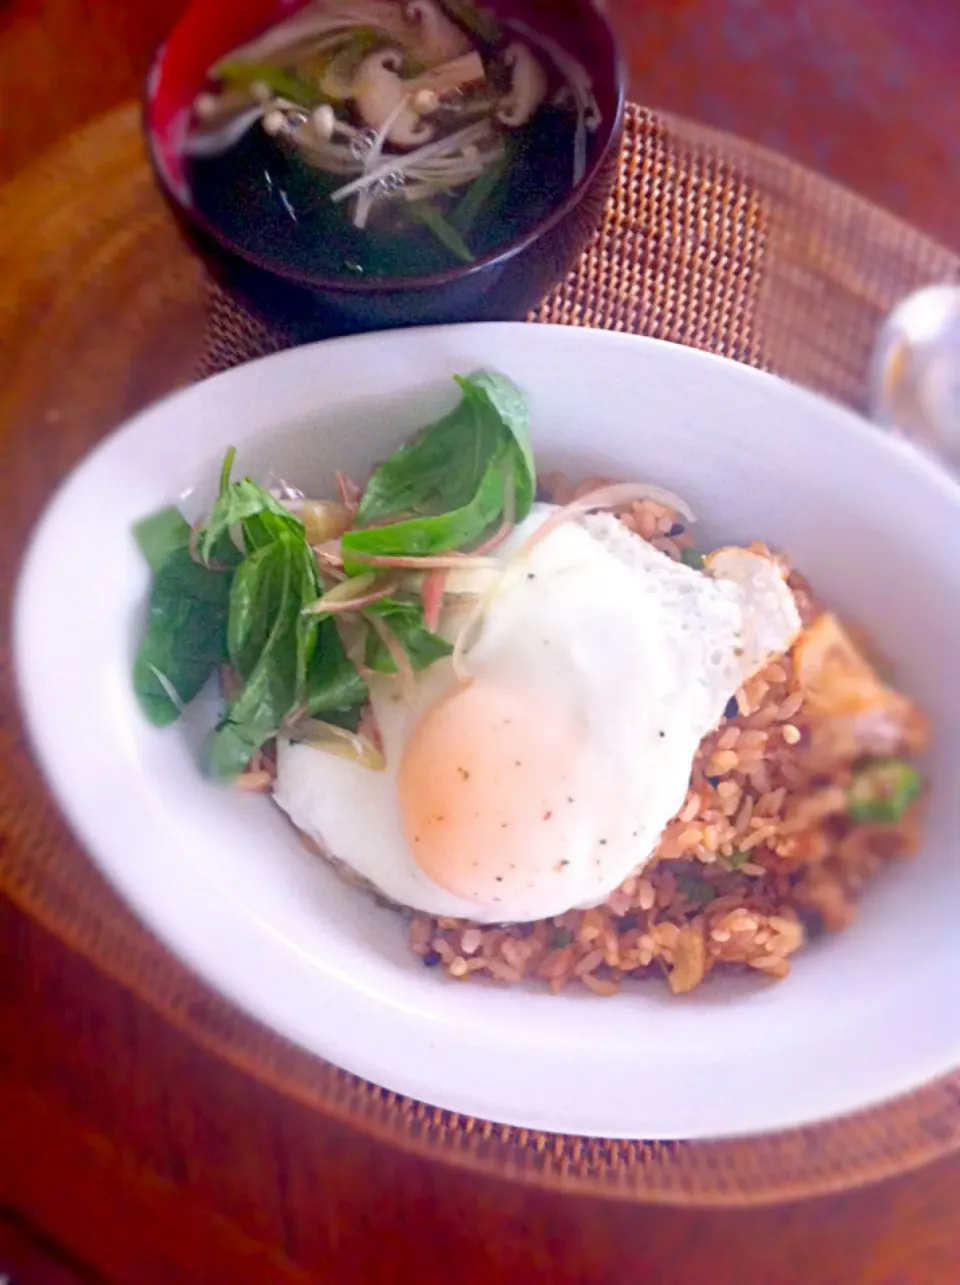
(369, 138)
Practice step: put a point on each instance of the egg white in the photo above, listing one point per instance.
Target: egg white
(643, 652)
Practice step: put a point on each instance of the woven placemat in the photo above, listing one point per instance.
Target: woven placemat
(712, 242)
(707, 241)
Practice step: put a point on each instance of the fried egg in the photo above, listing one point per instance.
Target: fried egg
(538, 786)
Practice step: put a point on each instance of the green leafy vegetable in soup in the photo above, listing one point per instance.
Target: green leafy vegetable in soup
(385, 138)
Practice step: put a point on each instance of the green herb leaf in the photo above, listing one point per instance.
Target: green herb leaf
(249, 506)
(421, 537)
(510, 407)
(255, 600)
(270, 688)
(437, 470)
(333, 685)
(442, 229)
(161, 535)
(185, 637)
(288, 661)
(737, 859)
(405, 620)
(449, 484)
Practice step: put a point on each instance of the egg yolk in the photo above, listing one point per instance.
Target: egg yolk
(487, 792)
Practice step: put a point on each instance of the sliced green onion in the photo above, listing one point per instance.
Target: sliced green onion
(226, 469)
(883, 790)
(442, 229)
(284, 84)
(691, 558)
(477, 196)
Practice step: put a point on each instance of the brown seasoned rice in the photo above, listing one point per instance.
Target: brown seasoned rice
(760, 858)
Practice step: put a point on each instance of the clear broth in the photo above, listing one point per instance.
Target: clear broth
(269, 202)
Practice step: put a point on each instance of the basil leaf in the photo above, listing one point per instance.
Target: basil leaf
(449, 484)
(419, 537)
(439, 470)
(333, 685)
(510, 407)
(405, 620)
(255, 600)
(245, 504)
(270, 689)
(161, 535)
(288, 661)
(185, 637)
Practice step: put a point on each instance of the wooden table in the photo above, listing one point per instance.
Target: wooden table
(124, 1145)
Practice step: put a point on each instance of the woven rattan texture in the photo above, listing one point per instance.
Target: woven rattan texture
(712, 242)
(706, 242)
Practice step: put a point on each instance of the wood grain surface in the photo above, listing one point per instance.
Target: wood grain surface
(127, 1154)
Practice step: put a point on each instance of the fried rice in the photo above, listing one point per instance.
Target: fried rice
(762, 857)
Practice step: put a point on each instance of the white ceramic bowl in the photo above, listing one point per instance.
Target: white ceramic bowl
(223, 880)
